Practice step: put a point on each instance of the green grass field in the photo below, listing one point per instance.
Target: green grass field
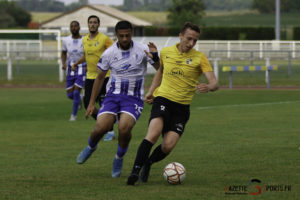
(231, 138)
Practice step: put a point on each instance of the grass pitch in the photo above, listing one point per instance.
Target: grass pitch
(231, 138)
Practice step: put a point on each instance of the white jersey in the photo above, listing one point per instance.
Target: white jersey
(74, 49)
(128, 69)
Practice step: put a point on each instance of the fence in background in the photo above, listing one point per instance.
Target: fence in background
(17, 51)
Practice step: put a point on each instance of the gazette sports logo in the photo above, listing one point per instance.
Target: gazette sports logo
(255, 187)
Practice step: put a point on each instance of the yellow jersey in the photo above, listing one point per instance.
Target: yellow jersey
(181, 72)
(93, 49)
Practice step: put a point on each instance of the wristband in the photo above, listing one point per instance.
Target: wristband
(155, 56)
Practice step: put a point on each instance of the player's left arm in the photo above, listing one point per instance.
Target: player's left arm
(153, 54)
(206, 68)
(212, 84)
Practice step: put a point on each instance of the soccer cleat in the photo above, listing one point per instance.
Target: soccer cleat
(85, 154)
(117, 167)
(72, 118)
(109, 136)
(145, 173)
(132, 178)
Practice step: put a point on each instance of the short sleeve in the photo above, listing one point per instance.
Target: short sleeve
(103, 63)
(64, 45)
(205, 65)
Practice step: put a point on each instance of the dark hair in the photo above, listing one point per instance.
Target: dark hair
(189, 25)
(123, 25)
(94, 16)
(75, 22)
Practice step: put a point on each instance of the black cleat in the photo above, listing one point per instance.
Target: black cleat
(132, 179)
(145, 173)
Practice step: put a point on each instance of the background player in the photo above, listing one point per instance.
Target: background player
(72, 50)
(94, 44)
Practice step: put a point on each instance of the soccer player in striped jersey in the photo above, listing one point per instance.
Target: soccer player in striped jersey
(173, 86)
(127, 61)
(72, 50)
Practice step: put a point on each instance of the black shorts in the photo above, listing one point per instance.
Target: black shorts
(88, 87)
(175, 115)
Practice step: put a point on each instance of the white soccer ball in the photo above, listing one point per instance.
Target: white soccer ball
(174, 173)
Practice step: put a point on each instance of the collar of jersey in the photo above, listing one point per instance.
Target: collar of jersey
(177, 50)
(98, 35)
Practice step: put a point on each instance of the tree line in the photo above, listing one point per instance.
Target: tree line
(263, 6)
(16, 13)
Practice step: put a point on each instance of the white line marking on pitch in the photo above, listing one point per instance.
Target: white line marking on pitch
(245, 105)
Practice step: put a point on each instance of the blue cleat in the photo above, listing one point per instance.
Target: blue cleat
(85, 154)
(117, 167)
(109, 136)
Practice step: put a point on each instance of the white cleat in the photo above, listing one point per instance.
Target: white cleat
(73, 118)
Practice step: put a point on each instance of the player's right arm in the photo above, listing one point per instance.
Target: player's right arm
(81, 60)
(64, 54)
(95, 92)
(155, 83)
(64, 60)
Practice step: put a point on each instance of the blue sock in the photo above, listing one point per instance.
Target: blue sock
(121, 151)
(76, 101)
(92, 144)
(70, 95)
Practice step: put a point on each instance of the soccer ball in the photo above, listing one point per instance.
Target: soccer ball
(174, 173)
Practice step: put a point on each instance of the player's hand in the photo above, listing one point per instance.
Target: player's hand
(152, 49)
(202, 88)
(64, 66)
(73, 67)
(149, 98)
(89, 110)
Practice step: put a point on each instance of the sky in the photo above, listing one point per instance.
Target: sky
(105, 2)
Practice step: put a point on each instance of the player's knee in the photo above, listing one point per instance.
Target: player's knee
(167, 148)
(70, 95)
(124, 128)
(76, 93)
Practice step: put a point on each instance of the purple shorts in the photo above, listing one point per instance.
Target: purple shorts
(117, 103)
(75, 80)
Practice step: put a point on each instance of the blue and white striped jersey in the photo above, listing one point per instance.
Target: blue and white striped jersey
(74, 49)
(128, 69)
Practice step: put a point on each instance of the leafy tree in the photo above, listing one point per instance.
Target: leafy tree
(185, 10)
(12, 15)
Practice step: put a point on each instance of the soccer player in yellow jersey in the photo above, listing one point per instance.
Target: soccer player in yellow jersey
(94, 44)
(174, 84)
